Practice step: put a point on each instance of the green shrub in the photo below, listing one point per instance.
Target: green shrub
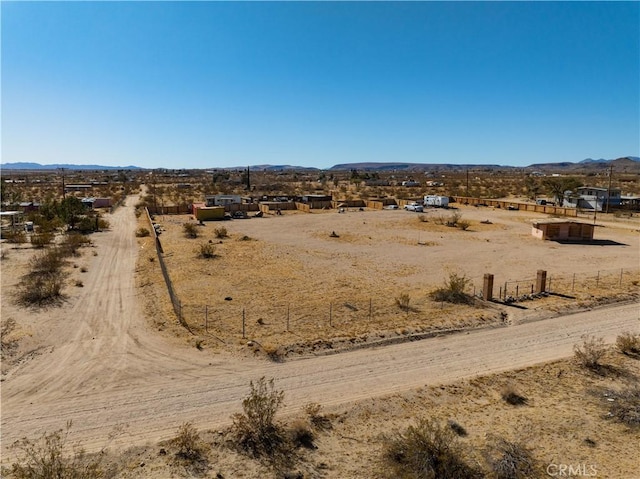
(188, 442)
(256, 431)
(426, 450)
(17, 236)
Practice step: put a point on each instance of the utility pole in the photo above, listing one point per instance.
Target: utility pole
(609, 188)
(64, 193)
(467, 182)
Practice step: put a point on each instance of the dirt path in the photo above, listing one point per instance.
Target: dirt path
(121, 384)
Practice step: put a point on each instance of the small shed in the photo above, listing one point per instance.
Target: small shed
(563, 230)
(209, 213)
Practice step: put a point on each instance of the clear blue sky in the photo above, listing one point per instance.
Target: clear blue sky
(215, 84)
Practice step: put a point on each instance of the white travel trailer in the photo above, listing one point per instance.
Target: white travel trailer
(437, 201)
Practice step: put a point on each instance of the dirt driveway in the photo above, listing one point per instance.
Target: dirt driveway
(102, 367)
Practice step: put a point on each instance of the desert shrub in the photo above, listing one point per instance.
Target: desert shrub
(510, 460)
(625, 406)
(256, 431)
(457, 428)
(142, 233)
(7, 341)
(206, 250)
(45, 459)
(42, 239)
(40, 289)
(188, 442)
(73, 242)
(302, 434)
(453, 220)
(103, 224)
(190, 230)
(317, 420)
(402, 301)
(511, 396)
(426, 450)
(47, 262)
(454, 290)
(629, 344)
(86, 224)
(463, 224)
(17, 236)
(221, 232)
(590, 352)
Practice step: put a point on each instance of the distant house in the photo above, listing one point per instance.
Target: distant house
(312, 198)
(410, 183)
(592, 198)
(563, 230)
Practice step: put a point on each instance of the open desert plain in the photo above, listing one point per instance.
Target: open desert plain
(338, 309)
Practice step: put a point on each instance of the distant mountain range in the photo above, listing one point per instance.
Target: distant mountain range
(626, 163)
(55, 166)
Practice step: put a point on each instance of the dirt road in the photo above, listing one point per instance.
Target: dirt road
(121, 384)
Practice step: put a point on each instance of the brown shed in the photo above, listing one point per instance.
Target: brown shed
(563, 230)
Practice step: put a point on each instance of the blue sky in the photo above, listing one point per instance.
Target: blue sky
(218, 84)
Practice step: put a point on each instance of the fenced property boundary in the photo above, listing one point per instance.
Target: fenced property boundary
(175, 301)
(551, 210)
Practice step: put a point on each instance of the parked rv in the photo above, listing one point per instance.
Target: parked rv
(436, 201)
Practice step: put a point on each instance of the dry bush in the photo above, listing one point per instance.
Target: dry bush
(402, 301)
(40, 289)
(45, 459)
(190, 230)
(142, 233)
(50, 261)
(256, 431)
(625, 406)
(426, 450)
(206, 250)
(453, 290)
(103, 224)
(188, 442)
(457, 428)
(590, 352)
(7, 342)
(629, 344)
(302, 434)
(17, 236)
(319, 421)
(510, 460)
(42, 239)
(73, 242)
(511, 396)
(221, 232)
(463, 224)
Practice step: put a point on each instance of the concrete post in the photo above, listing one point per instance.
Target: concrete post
(541, 281)
(487, 287)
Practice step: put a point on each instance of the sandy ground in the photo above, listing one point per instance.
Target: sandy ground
(99, 361)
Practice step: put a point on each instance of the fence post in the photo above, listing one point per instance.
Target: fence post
(243, 328)
(371, 305)
(206, 319)
(330, 313)
(288, 309)
(505, 290)
(487, 287)
(620, 282)
(597, 278)
(541, 281)
(573, 283)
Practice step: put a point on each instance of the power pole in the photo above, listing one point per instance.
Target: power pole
(609, 188)
(64, 192)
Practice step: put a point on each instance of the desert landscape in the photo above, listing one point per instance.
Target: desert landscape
(320, 294)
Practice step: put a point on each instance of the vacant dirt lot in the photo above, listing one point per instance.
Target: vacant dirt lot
(301, 288)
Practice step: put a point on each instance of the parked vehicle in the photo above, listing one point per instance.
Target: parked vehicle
(414, 206)
(436, 201)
